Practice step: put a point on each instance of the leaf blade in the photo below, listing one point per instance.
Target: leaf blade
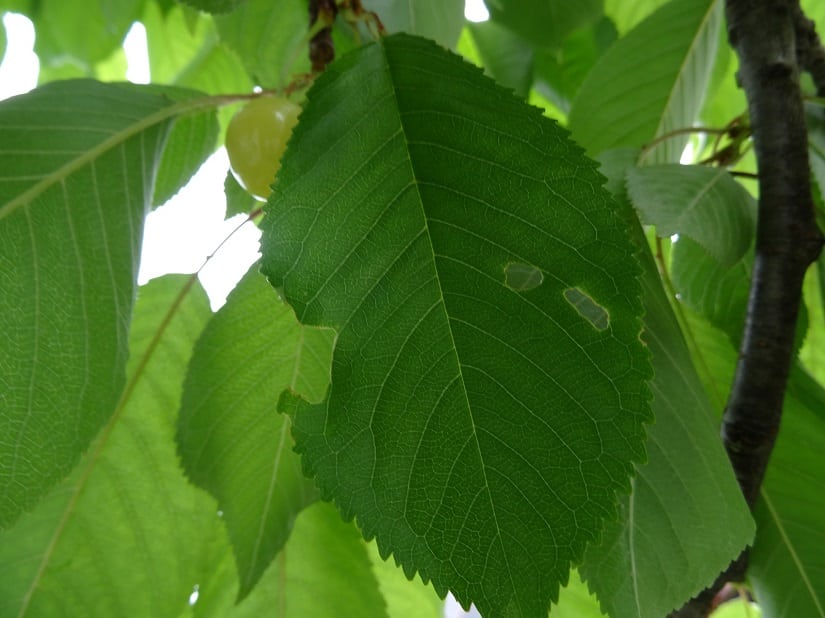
(618, 106)
(79, 159)
(230, 439)
(386, 230)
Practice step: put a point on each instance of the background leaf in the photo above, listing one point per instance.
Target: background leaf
(399, 233)
(545, 23)
(649, 562)
(123, 535)
(270, 38)
(81, 33)
(787, 570)
(507, 57)
(323, 572)
(619, 105)
(559, 73)
(78, 161)
(703, 203)
(231, 440)
(439, 20)
(214, 6)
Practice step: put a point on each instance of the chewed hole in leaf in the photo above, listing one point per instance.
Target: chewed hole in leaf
(588, 308)
(522, 277)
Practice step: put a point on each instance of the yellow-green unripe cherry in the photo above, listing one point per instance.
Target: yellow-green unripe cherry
(256, 139)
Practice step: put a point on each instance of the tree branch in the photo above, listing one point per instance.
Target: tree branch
(764, 35)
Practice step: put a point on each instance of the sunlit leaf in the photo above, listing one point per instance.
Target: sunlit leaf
(78, 160)
(82, 32)
(123, 535)
(323, 572)
(621, 105)
(231, 440)
(270, 38)
(480, 432)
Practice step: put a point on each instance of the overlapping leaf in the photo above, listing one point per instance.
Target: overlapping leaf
(231, 440)
(439, 20)
(479, 430)
(78, 160)
(324, 571)
(544, 23)
(655, 557)
(270, 38)
(124, 534)
(702, 203)
(620, 104)
(787, 569)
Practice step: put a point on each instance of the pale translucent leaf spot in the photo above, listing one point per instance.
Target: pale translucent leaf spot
(522, 277)
(588, 308)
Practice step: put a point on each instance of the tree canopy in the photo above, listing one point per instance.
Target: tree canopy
(515, 276)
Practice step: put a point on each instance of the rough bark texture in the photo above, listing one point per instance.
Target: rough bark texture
(773, 40)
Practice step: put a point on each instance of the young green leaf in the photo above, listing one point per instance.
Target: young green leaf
(78, 160)
(621, 105)
(270, 38)
(787, 562)
(480, 432)
(324, 571)
(439, 20)
(124, 534)
(702, 203)
(231, 440)
(544, 23)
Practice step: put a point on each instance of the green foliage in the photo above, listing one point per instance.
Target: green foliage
(619, 105)
(231, 441)
(439, 20)
(126, 519)
(544, 23)
(635, 572)
(79, 159)
(480, 356)
(430, 230)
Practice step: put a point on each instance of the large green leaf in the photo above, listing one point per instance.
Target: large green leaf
(702, 203)
(440, 20)
(488, 383)
(231, 440)
(545, 23)
(656, 556)
(651, 82)
(270, 38)
(323, 572)
(78, 161)
(123, 535)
